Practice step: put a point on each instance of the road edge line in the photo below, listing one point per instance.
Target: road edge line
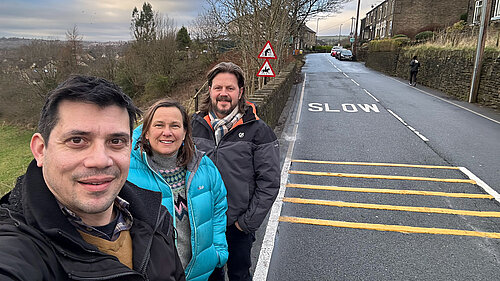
(266, 250)
(481, 183)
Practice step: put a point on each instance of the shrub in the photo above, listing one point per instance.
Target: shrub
(387, 45)
(424, 35)
(399, 36)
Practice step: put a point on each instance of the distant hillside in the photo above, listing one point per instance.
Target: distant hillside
(333, 40)
(14, 43)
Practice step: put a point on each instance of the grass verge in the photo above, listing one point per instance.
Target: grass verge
(15, 155)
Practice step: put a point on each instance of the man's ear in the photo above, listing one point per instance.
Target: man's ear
(241, 93)
(37, 146)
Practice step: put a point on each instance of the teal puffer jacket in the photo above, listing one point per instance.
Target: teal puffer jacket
(207, 206)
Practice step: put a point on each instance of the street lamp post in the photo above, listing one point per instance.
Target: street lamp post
(317, 21)
(340, 31)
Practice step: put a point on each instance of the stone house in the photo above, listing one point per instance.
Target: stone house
(474, 16)
(306, 38)
(409, 17)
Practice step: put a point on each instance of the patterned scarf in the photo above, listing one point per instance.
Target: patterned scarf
(222, 126)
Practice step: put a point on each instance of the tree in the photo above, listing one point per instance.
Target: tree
(207, 32)
(71, 55)
(251, 23)
(182, 38)
(143, 24)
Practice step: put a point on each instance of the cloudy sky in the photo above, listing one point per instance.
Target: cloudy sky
(109, 20)
(330, 24)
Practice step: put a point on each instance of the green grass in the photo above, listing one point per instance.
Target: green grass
(15, 155)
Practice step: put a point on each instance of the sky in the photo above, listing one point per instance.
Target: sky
(331, 24)
(109, 20)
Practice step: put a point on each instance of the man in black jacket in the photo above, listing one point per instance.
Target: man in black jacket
(73, 216)
(245, 150)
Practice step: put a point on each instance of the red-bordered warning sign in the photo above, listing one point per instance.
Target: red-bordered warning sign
(266, 70)
(267, 52)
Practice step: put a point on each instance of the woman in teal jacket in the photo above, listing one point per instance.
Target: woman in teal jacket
(165, 159)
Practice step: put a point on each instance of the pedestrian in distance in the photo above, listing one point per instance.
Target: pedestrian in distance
(73, 216)
(414, 65)
(164, 159)
(246, 152)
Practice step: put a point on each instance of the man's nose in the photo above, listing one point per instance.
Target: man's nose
(98, 157)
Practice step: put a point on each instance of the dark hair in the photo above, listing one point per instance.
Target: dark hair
(225, 67)
(186, 151)
(87, 89)
(414, 57)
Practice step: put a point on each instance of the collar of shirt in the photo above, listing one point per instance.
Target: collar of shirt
(124, 220)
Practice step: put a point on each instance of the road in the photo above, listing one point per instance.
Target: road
(383, 181)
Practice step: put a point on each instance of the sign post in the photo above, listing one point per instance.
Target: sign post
(266, 53)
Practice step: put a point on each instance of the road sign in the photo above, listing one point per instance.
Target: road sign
(351, 39)
(267, 52)
(266, 70)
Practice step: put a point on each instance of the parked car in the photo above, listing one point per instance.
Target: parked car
(334, 50)
(344, 54)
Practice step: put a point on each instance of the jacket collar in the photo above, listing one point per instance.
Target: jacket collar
(249, 115)
(32, 198)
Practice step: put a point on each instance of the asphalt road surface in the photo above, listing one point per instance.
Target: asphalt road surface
(382, 181)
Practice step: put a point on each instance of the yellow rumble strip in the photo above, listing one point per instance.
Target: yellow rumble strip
(369, 176)
(394, 228)
(393, 208)
(376, 164)
(392, 191)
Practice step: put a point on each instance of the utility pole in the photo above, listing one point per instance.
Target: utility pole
(354, 47)
(478, 63)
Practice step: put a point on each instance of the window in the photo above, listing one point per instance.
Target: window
(477, 11)
(496, 13)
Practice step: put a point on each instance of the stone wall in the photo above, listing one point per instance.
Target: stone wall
(385, 62)
(414, 16)
(271, 99)
(449, 71)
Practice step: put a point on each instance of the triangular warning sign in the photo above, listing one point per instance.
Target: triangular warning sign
(266, 70)
(267, 52)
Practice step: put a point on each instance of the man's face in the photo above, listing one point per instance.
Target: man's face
(85, 162)
(225, 94)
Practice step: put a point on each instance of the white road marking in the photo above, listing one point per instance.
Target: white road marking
(481, 183)
(445, 100)
(373, 97)
(266, 250)
(408, 126)
(355, 82)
